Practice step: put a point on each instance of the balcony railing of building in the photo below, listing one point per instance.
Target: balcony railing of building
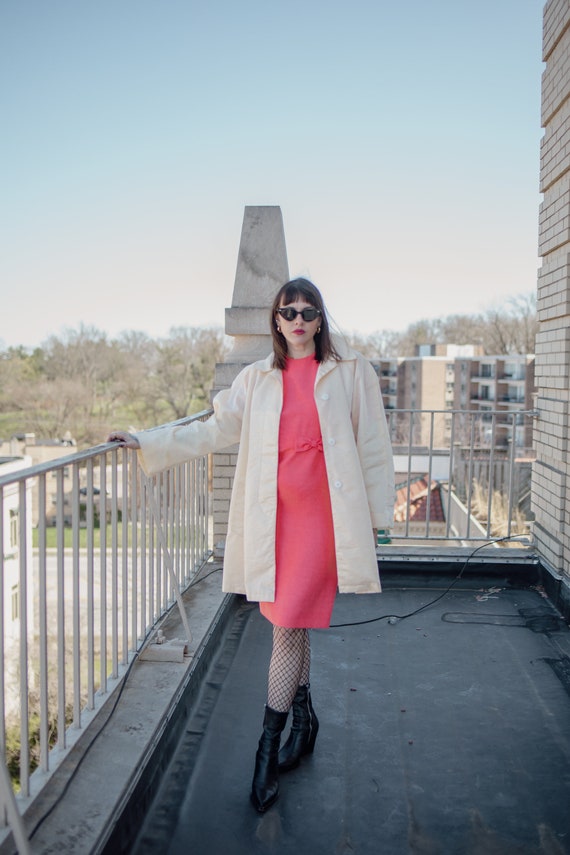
(474, 466)
(515, 377)
(82, 591)
(110, 551)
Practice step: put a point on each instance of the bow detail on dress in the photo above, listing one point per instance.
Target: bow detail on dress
(306, 444)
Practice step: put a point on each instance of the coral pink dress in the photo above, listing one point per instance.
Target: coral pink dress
(306, 576)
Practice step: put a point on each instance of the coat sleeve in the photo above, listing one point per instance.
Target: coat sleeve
(373, 444)
(170, 445)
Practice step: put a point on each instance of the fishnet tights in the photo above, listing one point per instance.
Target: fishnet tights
(289, 667)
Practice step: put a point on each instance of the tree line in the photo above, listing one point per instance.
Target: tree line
(499, 330)
(83, 383)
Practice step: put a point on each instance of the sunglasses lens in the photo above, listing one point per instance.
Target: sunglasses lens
(289, 313)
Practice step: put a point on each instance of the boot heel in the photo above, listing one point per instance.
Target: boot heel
(303, 733)
(312, 739)
(314, 726)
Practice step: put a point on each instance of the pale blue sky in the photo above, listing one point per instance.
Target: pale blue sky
(401, 141)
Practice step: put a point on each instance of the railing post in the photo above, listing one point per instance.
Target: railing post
(15, 820)
(161, 532)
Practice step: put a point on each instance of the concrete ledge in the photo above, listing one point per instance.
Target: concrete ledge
(557, 587)
(476, 556)
(96, 799)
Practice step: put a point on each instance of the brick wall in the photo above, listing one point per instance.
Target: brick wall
(552, 365)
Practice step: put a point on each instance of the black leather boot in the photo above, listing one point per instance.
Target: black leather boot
(265, 785)
(303, 733)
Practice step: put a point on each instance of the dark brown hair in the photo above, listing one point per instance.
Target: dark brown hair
(293, 290)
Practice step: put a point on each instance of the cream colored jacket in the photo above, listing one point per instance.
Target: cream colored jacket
(358, 459)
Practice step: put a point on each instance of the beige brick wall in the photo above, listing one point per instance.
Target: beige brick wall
(552, 365)
(223, 469)
(555, 20)
(553, 225)
(553, 296)
(554, 142)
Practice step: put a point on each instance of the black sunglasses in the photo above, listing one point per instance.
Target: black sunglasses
(289, 313)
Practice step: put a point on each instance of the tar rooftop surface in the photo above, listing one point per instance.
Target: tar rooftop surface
(447, 731)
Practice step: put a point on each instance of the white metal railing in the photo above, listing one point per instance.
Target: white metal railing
(462, 475)
(84, 576)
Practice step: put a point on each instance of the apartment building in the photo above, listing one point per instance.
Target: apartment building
(422, 385)
(17, 538)
(443, 378)
(38, 451)
(387, 370)
(503, 384)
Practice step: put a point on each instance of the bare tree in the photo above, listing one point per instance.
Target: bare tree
(17, 370)
(464, 329)
(382, 344)
(87, 357)
(512, 329)
(135, 383)
(509, 328)
(184, 369)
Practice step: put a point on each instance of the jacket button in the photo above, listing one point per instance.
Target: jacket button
(325, 396)
(332, 441)
(338, 484)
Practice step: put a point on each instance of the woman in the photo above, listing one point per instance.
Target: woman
(314, 480)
